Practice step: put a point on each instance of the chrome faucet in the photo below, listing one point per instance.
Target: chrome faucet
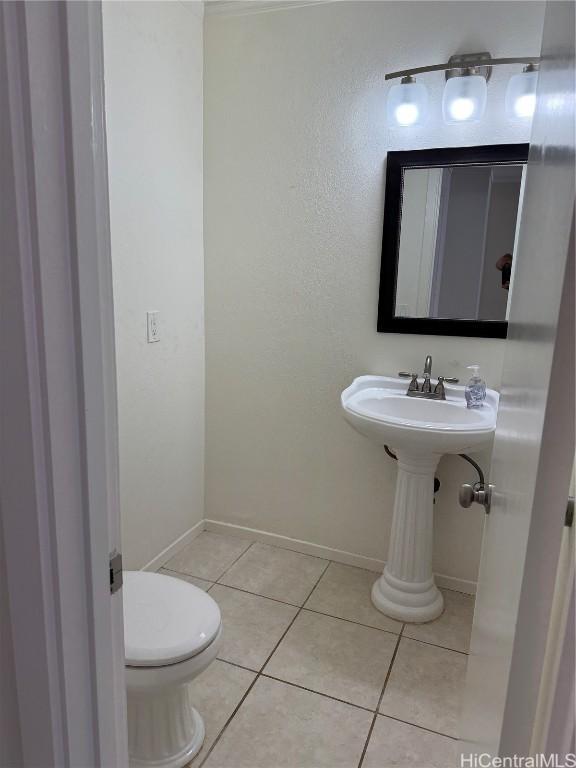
(426, 386)
(425, 390)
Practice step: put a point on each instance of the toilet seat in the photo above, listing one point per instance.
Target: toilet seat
(167, 620)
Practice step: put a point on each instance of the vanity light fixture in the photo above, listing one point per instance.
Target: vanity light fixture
(465, 92)
(521, 93)
(464, 99)
(407, 102)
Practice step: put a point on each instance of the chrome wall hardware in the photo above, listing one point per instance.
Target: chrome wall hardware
(479, 493)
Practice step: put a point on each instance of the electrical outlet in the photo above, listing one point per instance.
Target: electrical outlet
(153, 325)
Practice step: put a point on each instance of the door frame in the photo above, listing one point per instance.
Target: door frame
(59, 445)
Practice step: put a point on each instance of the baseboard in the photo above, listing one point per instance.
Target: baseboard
(456, 584)
(328, 553)
(305, 547)
(297, 545)
(175, 547)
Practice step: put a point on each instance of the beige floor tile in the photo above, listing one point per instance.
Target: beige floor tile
(425, 686)
(208, 556)
(277, 573)
(252, 625)
(338, 658)
(397, 745)
(216, 694)
(344, 591)
(452, 629)
(202, 583)
(279, 726)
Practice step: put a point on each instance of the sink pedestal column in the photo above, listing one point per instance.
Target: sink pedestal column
(406, 590)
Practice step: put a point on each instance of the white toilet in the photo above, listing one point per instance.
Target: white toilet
(171, 634)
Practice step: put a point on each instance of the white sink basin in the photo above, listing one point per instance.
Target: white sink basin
(419, 431)
(378, 407)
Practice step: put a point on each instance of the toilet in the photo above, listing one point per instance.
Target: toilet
(172, 633)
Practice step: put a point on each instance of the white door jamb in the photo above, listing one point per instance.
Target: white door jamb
(58, 453)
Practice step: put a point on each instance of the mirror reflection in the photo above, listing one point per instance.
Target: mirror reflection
(457, 238)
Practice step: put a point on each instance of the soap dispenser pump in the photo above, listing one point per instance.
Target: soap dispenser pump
(475, 391)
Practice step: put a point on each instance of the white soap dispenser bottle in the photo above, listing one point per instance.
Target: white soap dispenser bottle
(475, 391)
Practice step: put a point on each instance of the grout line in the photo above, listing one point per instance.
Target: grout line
(435, 645)
(252, 684)
(258, 674)
(203, 578)
(311, 610)
(239, 666)
(227, 723)
(275, 599)
(333, 616)
(351, 621)
(257, 594)
(261, 673)
(334, 698)
(275, 546)
(318, 580)
(231, 530)
(298, 612)
(420, 727)
(225, 571)
(373, 723)
(390, 669)
(318, 693)
(287, 548)
(187, 576)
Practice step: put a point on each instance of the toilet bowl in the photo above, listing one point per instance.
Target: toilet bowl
(171, 634)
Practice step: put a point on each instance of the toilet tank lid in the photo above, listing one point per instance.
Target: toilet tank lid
(166, 619)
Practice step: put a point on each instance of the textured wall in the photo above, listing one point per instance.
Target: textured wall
(153, 66)
(295, 145)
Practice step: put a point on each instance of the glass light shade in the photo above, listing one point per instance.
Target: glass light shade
(464, 99)
(521, 95)
(407, 104)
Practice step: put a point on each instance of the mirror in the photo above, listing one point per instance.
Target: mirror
(450, 224)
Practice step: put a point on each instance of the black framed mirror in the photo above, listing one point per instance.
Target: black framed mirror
(450, 224)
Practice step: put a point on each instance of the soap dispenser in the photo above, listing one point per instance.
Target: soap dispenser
(475, 392)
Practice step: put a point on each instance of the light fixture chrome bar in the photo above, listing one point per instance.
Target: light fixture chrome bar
(469, 64)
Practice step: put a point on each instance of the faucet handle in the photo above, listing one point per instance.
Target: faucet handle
(439, 388)
(413, 386)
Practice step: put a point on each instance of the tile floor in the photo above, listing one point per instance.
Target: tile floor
(311, 675)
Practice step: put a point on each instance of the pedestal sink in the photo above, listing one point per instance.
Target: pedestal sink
(419, 431)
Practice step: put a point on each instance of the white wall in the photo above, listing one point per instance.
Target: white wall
(295, 145)
(153, 65)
